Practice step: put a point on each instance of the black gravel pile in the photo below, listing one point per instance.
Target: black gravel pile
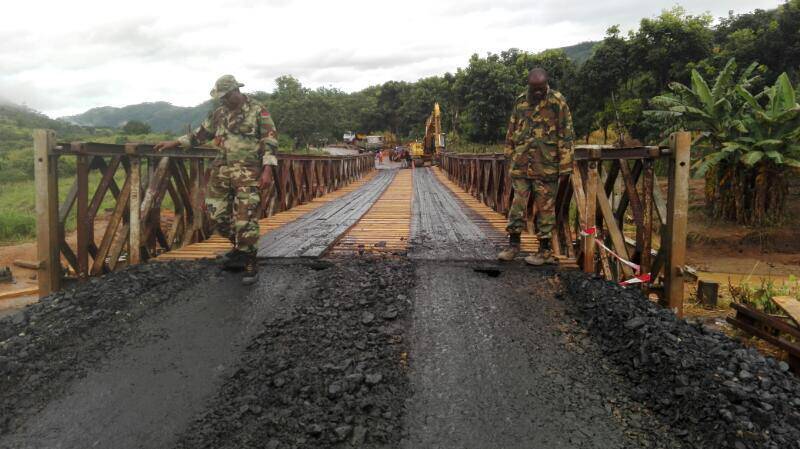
(331, 373)
(51, 342)
(715, 392)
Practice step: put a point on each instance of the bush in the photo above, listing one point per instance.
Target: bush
(136, 127)
(16, 226)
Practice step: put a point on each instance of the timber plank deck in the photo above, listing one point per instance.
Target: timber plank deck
(489, 218)
(312, 234)
(384, 230)
(216, 245)
(443, 227)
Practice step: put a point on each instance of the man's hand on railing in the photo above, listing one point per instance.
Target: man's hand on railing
(166, 145)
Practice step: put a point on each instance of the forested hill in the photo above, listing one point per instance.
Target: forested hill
(161, 116)
(579, 53)
(17, 122)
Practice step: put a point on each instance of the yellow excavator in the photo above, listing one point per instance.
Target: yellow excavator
(432, 144)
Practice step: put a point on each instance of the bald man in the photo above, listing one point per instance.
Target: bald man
(539, 145)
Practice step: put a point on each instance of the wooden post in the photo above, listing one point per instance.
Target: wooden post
(648, 184)
(677, 219)
(135, 244)
(82, 215)
(47, 241)
(707, 293)
(592, 185)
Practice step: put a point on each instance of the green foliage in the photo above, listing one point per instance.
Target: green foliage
(136, 127)
(715, 112)
(15, 226)
(771, 132)
(760, 297)
(751, 141)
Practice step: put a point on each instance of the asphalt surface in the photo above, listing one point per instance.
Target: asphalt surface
(492, 365)
(141, 395)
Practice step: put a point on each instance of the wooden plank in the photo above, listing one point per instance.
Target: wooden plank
(789, 305)
(105, 184)
(135, 221)
(751, 315)
(645, 257)
(677, 215)
(614, 231)
(69, 202)
(47, 224)
(30, 291)
(82, 219)
(592, 191)
(111, 227)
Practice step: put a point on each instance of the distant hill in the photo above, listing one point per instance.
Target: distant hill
(161, 116)
(17, 123)
(579, 53)
(165, 117)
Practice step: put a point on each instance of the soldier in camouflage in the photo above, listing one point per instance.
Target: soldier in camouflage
(539, 145)
(245, 135)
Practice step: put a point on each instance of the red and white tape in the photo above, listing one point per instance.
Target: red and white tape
(637, 269)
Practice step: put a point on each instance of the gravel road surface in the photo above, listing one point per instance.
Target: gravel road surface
(379, 353)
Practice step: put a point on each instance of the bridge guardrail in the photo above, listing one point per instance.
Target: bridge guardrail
(629, 216)
(137, 220)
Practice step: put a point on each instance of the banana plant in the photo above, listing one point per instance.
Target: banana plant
(771, 132)
(713, 112)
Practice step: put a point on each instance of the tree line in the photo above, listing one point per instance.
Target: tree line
(611, 89)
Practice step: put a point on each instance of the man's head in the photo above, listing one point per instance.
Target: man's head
(537, 83)
(226, 89)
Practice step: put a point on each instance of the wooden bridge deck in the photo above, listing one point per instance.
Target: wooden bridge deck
(391, 212)
(216, 245)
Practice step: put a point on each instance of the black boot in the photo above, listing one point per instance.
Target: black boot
(232, 260)
(250, 274)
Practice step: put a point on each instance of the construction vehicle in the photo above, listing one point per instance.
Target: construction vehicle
(433, 143)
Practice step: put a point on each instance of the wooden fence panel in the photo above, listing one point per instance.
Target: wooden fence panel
(606, 209)
(138, 227)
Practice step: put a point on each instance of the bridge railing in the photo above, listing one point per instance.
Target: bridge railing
(140, 183)
(610, 210)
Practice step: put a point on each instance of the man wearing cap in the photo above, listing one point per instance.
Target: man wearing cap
(539, 145)
(243, 131)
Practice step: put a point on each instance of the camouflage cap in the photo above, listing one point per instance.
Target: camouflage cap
(224, 84)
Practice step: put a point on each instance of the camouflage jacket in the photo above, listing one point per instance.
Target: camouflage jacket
(246, 135)
(539, 138)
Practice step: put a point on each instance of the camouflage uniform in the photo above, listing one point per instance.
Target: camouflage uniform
(539, 142)
(247, 140)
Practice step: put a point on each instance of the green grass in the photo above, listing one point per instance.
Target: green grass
(18, 206)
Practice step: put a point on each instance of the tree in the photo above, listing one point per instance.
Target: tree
(748, 147)
(136, 127)
(488, 88)
(665, 45)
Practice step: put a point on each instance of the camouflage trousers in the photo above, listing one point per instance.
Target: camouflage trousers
(544, 196)
(232, 199)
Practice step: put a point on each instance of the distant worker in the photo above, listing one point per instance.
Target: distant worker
(539, 143)
(243, 131)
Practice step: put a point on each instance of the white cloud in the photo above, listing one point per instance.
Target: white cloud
(65, 57)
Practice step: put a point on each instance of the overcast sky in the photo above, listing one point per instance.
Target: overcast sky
(64, 57)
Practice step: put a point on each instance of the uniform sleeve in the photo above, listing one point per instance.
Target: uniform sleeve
(512, 127)
(200, 136)
(268, 142)
(566, 137)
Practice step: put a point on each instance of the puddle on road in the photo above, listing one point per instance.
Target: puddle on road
(492, 272)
